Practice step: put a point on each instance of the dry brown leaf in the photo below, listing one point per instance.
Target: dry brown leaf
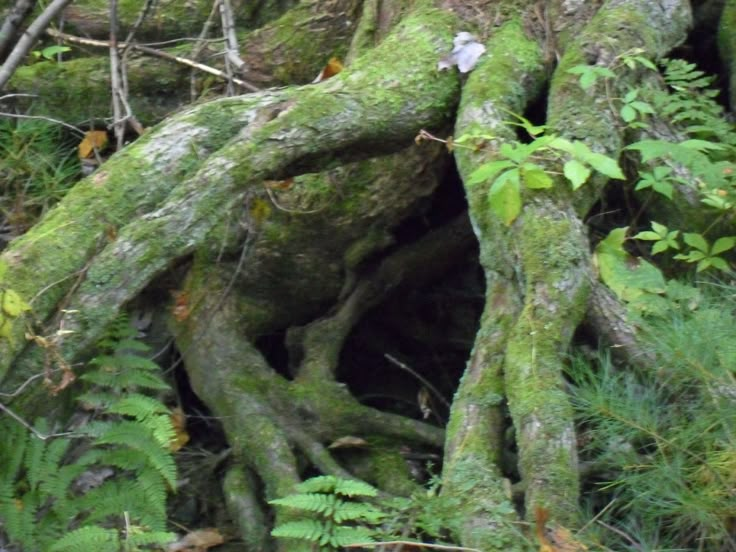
(181, 310)
(279, 184)
(348, 442)
(93, 140)
(179, 422)
(333, 67)
(197, 541)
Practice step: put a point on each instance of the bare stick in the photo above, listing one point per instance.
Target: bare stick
(232, 51)
(28, 39)
(199, 45)
(424, 381)
(118, 123)
(411, 543)
(153, 52)
(12, 23)
(41, 118)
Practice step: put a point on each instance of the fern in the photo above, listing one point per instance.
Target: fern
(127, 466)
(324, 498)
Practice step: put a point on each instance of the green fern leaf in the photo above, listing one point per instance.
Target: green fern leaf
(310, 502)
(129, 434)
(88, 538)
(306, 529)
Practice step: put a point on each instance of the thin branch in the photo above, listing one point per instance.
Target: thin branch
(412, 543)
(423, 380)
(28, 39)
(40, 117)
(232, 52)
(199, 45)
(116, 79)
(12, 23)
(29, 427)
(153, 52)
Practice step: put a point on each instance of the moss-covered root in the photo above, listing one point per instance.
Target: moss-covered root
(240, 488)
(265, 417)
(554, 255)
(727, 47)
(510, 76)
(49, 260)
(383, 100)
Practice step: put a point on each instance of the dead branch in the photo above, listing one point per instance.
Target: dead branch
(150, 51)
(26, 42)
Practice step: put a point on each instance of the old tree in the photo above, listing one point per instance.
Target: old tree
(308, 233)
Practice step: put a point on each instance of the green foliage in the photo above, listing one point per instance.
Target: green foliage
(37, 167)
(53, 500)
(523, 165)
(11, 307)
(332, 518)
(335, 520)
(50, 52)
(662, 442)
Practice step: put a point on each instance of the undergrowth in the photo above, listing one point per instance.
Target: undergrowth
(37, 167)
(661, 442)
(103, 487)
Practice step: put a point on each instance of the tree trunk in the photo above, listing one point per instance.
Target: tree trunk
(284, 212)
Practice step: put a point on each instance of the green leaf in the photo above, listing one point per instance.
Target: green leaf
(628, 113)
(660, 229)
(697, 241)
(535, 178)
(504, 196)
(628, 277)
(488, 170)
(720, 264)
(576, 173)
(605, 165)
(723, 244)
(642, 107)
(664, 188)
(648, 235)
(659, 247)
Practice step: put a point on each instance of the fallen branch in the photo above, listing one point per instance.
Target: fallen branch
(28, 39)
(151, 51)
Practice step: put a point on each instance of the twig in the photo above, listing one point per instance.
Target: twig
(148, 6)
(39, 117)
(423, 380)
(199, 46)
(29, 427)
(13, 20)
(116, 79)
(232, 51)
(412, 543)
(621, 533)
(28, 39)
(153, 52)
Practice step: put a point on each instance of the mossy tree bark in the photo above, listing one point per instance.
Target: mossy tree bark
(281, 205)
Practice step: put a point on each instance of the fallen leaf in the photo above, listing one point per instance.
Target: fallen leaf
(197, 541)
(179, 422)
(348, 442)
(333, 67)
(181, 310)
(93, 140)
(465, 53)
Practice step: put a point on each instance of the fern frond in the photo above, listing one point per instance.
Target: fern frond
(90, 537)
(352, 487)
(344, 536)
(358, 511)
(129, 434)
(305, 529)
(310, 502)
